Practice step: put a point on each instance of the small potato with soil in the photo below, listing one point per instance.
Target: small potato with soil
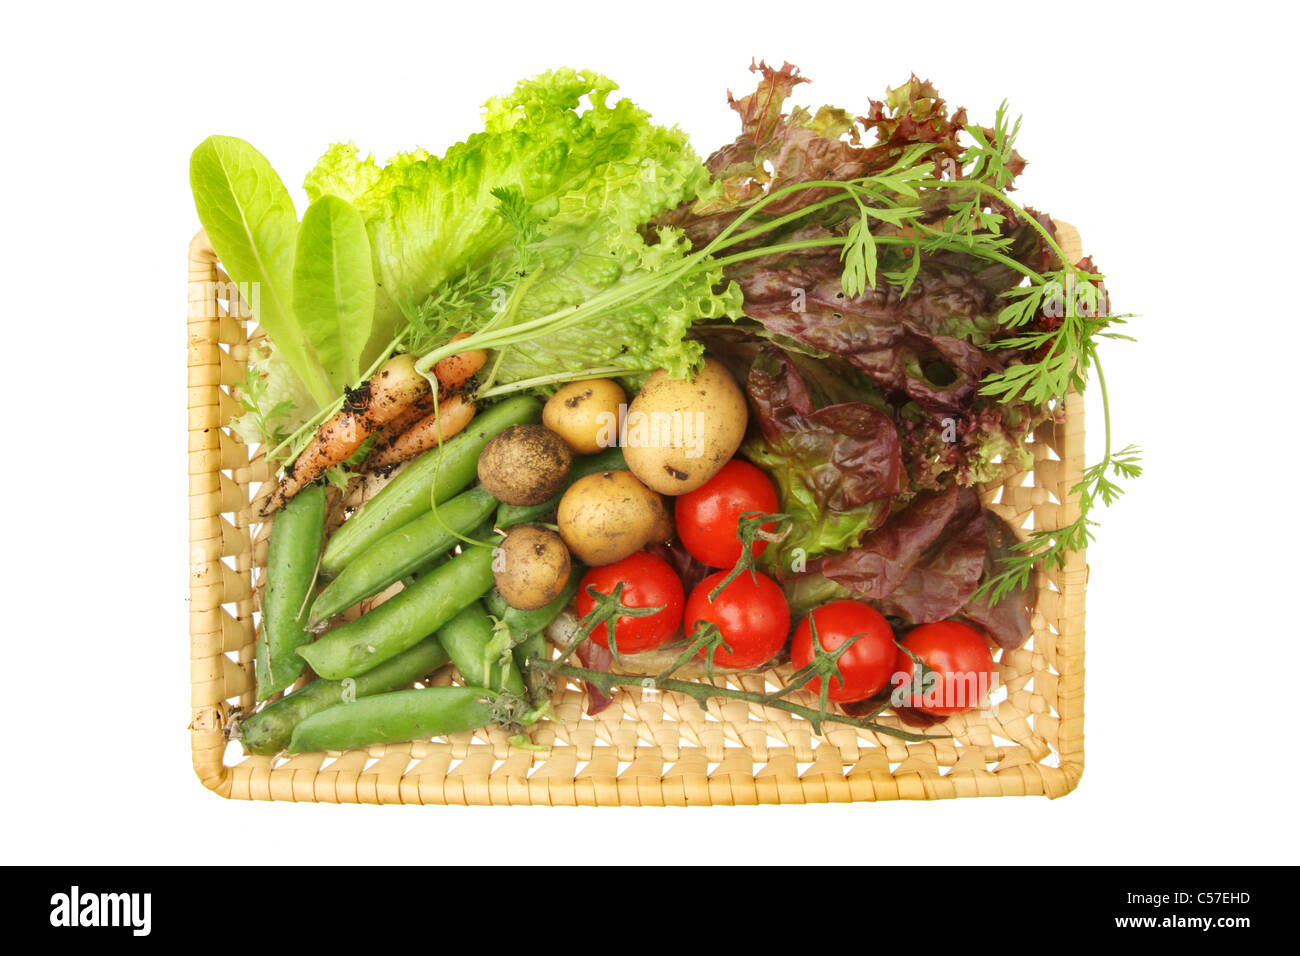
(586, 414)
(525, 465)
(680, 432)
(531, 567)
(607, 516)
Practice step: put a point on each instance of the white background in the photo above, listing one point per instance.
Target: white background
(1165, 133)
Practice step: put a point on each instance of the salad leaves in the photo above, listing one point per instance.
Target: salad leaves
(629, 339)
(251, 222)
(272, 396)
(314, 292)
(585, 180)
(924, 563)
(333, 293)
(836, 467)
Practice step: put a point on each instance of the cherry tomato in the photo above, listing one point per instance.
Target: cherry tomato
(865, 668)
(708, 518)
(648, 581)
(751, 614)
(962, 662)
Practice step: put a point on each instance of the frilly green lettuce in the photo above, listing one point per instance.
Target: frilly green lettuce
(594, 175)
(274, 399)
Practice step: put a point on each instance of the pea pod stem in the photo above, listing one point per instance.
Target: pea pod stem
(481, 656)
(526, 624)
(527, 632)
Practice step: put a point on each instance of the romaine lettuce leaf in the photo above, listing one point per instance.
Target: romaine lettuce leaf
(333, 287)
(251, 223)
(315, 294)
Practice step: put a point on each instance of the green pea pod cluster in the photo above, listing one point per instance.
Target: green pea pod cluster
(292, 557)
(269, 730)
(401, 552)
(403, 620)
(404, 533)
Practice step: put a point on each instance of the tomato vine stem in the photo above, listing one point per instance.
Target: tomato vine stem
(702, 692)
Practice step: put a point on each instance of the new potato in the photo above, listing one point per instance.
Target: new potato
(607, 516)
(525, 465)
(586, 414)
(680, 432)
(531, 567)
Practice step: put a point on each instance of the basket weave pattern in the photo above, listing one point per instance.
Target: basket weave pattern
(646, 748)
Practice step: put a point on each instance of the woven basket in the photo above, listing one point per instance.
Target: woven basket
(657, 749)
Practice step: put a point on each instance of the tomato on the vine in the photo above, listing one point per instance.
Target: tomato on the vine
(648, 581)
(751, 614)
(963, 665)
(708, 517)
(865, 668)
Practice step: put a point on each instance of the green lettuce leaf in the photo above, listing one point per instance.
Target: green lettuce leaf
(273, 399)
(585, 173)
(432, 218)
(342, 172)
(333, 287)
(634, 338)
(250, 221)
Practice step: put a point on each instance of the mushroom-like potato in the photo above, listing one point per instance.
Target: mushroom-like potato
(586, 414)
(680, 432)
(607, 516)
(531, 567)
(525, 465)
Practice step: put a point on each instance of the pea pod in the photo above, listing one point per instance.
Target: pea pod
(395, 717)
(403, 551)
(291, 562)
(436, 475)
(471, 642)
(611, 459)
(268, 731)
(403, 620)
(483, 533)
